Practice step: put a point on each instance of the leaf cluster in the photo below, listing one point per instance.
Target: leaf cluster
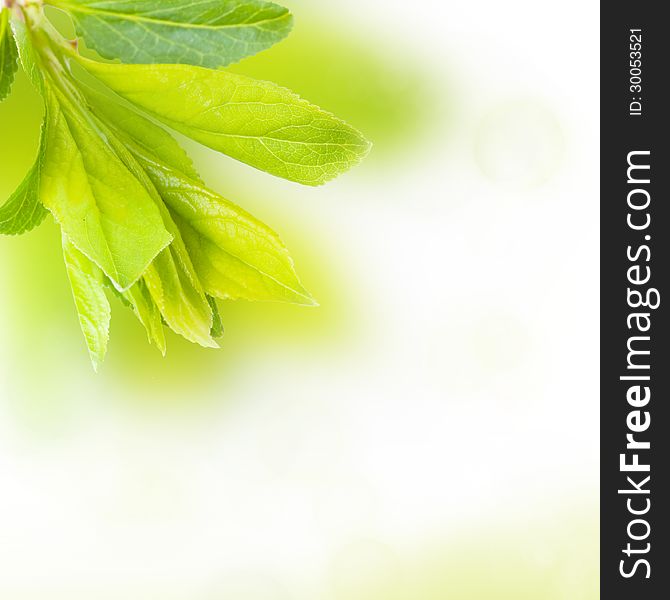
(137, 220)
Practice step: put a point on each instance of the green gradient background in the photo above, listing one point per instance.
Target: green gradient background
(384, 91)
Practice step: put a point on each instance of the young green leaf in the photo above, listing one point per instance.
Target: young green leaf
(175, 288)
(139, 300)
(180, 300)
(207, 33)
(235, 255)
(147, 313)
(217, 324)
(256, 122)
(28, 56)
(8, 55)
(24, 211)
(105, 212)
(88, 290)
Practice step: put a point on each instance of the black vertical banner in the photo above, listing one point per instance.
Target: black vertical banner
(635, 270)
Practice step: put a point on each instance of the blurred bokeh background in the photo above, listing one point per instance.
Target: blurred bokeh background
(429, 432)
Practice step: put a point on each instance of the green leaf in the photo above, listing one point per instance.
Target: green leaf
(256, 122)
(207, 33)
(217, 324)
(139, 300)
(104, 211)
(8, 55)
(236, 256)
(175, 288)
(147, 313)
(24, 211)
(28, 56)
(88, 290)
